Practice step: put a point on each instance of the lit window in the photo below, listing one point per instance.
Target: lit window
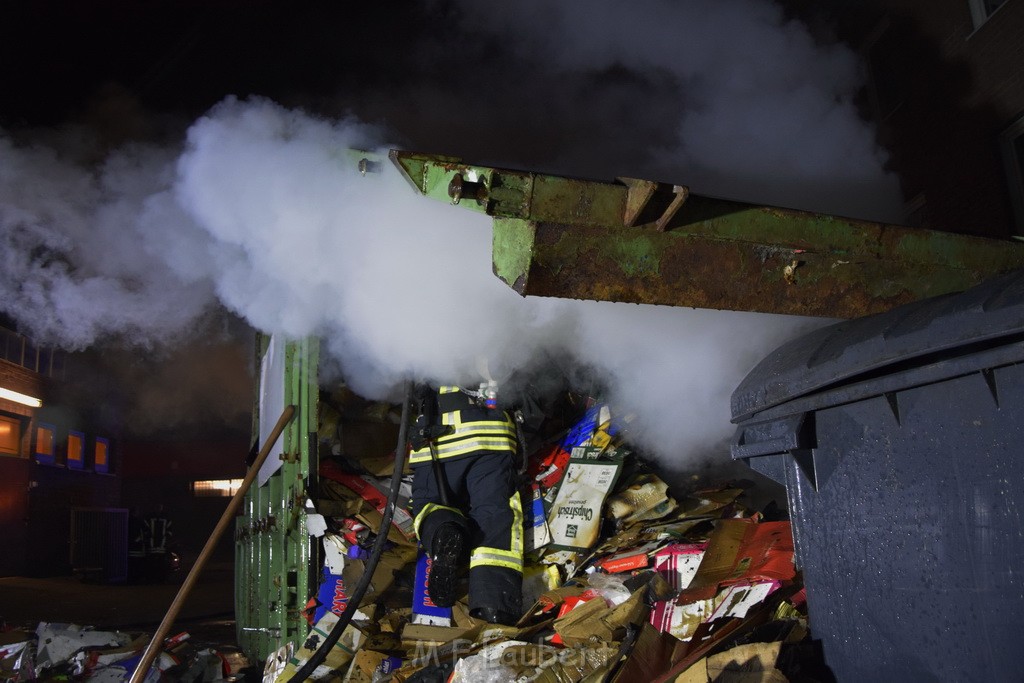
(14, 344)
(76, 450)
(10, 435)
(21, 351)
(46, 446)
(101, 457)
(31, 358)
(981, 10)
(215, 487)
(45, 364)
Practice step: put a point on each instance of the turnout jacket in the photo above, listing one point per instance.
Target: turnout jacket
(471, 429)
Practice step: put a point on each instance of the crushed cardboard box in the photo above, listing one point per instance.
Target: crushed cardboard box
(625, 579)
(56, 651)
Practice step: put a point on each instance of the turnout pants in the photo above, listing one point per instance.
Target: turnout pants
(485, 503)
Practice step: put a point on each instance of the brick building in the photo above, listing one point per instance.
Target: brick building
(52, 461)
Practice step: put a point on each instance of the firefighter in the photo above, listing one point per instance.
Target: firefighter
(465, 503)
(158, 536)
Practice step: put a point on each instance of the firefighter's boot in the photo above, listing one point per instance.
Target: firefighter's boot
(446, 558)
(494, 616)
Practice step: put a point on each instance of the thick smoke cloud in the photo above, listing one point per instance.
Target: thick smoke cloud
(266, 208)
(400, 286)
(261, 210)
(72, 265)
(763, 112)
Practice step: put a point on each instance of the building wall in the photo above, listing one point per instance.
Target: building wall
(161, 472)
(943, 91)
(996, 53)
(36, 499)
(15, 471)
(19, 379)
(55, 490)
(13, 515)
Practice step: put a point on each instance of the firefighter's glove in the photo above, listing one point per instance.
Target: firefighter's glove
(418, 438)
(423, 433)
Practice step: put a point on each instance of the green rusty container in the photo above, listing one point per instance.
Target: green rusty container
(274, 554)
(628, 240)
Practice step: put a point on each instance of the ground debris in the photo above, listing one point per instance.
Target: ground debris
(70, 652)
(624, 577)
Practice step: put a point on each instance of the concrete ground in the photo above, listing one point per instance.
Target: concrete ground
(207, 614)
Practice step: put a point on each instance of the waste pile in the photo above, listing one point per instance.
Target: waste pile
(71, 652)
(624, 580)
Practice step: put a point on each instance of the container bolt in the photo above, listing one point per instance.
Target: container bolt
(459, 187)
(367, 166)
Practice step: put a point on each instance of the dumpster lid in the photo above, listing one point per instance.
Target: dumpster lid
(838, 354)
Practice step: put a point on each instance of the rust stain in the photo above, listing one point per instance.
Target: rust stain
(583, 264)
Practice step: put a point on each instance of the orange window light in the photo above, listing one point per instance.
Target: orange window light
(46, 444)
(100, 461)
(76, 450)
(10, 435)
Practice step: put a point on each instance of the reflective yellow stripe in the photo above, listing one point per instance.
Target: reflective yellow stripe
(427, 509)
(488, 557)
(462, 429)
(448, 390)
(454, 418)
(500, 444)
(497, 557)
(483, 435)
(497, 552)
(517, 523)
(419, 456)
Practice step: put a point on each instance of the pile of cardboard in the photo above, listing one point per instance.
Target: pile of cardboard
(623, 578)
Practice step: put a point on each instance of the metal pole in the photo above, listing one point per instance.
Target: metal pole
(152, 649)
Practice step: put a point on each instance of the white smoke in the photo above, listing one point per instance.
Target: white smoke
(266, 208)
(400, 286)
(262, 211)
(72, 265)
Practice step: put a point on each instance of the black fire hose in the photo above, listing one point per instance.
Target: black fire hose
(318, 657)
(443, 491)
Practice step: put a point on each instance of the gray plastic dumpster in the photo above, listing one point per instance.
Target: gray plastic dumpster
(900, 440)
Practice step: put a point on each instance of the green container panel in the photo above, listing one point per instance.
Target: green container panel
(273, 551)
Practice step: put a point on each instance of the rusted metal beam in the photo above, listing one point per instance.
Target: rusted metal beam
(644, 242)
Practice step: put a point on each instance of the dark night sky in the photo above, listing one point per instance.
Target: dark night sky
(130, 71)
(440, 77)
(143, 69)
(731, 98)
(175, 56)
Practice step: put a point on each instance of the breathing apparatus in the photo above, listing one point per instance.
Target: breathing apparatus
(486, 396)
